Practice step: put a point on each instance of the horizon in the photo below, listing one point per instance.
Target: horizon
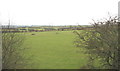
(45, 25)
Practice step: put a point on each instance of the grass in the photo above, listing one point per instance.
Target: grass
(53, 50)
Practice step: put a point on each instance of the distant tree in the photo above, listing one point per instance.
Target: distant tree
(101, 43)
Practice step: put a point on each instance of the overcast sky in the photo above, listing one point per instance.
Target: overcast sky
(55, 12)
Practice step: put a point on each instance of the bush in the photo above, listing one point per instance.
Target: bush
(101, 43)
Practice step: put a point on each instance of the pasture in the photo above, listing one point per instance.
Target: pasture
(53, 50)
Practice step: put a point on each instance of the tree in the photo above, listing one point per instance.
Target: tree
(12, 51)
(101, 43)
(0, 48)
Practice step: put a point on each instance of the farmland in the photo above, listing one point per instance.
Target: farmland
(53, 50)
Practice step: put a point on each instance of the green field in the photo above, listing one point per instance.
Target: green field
(53, 50)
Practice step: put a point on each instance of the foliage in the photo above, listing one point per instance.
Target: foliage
(12, 52)
(101, 42)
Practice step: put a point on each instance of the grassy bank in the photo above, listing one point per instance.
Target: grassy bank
(53, 50)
